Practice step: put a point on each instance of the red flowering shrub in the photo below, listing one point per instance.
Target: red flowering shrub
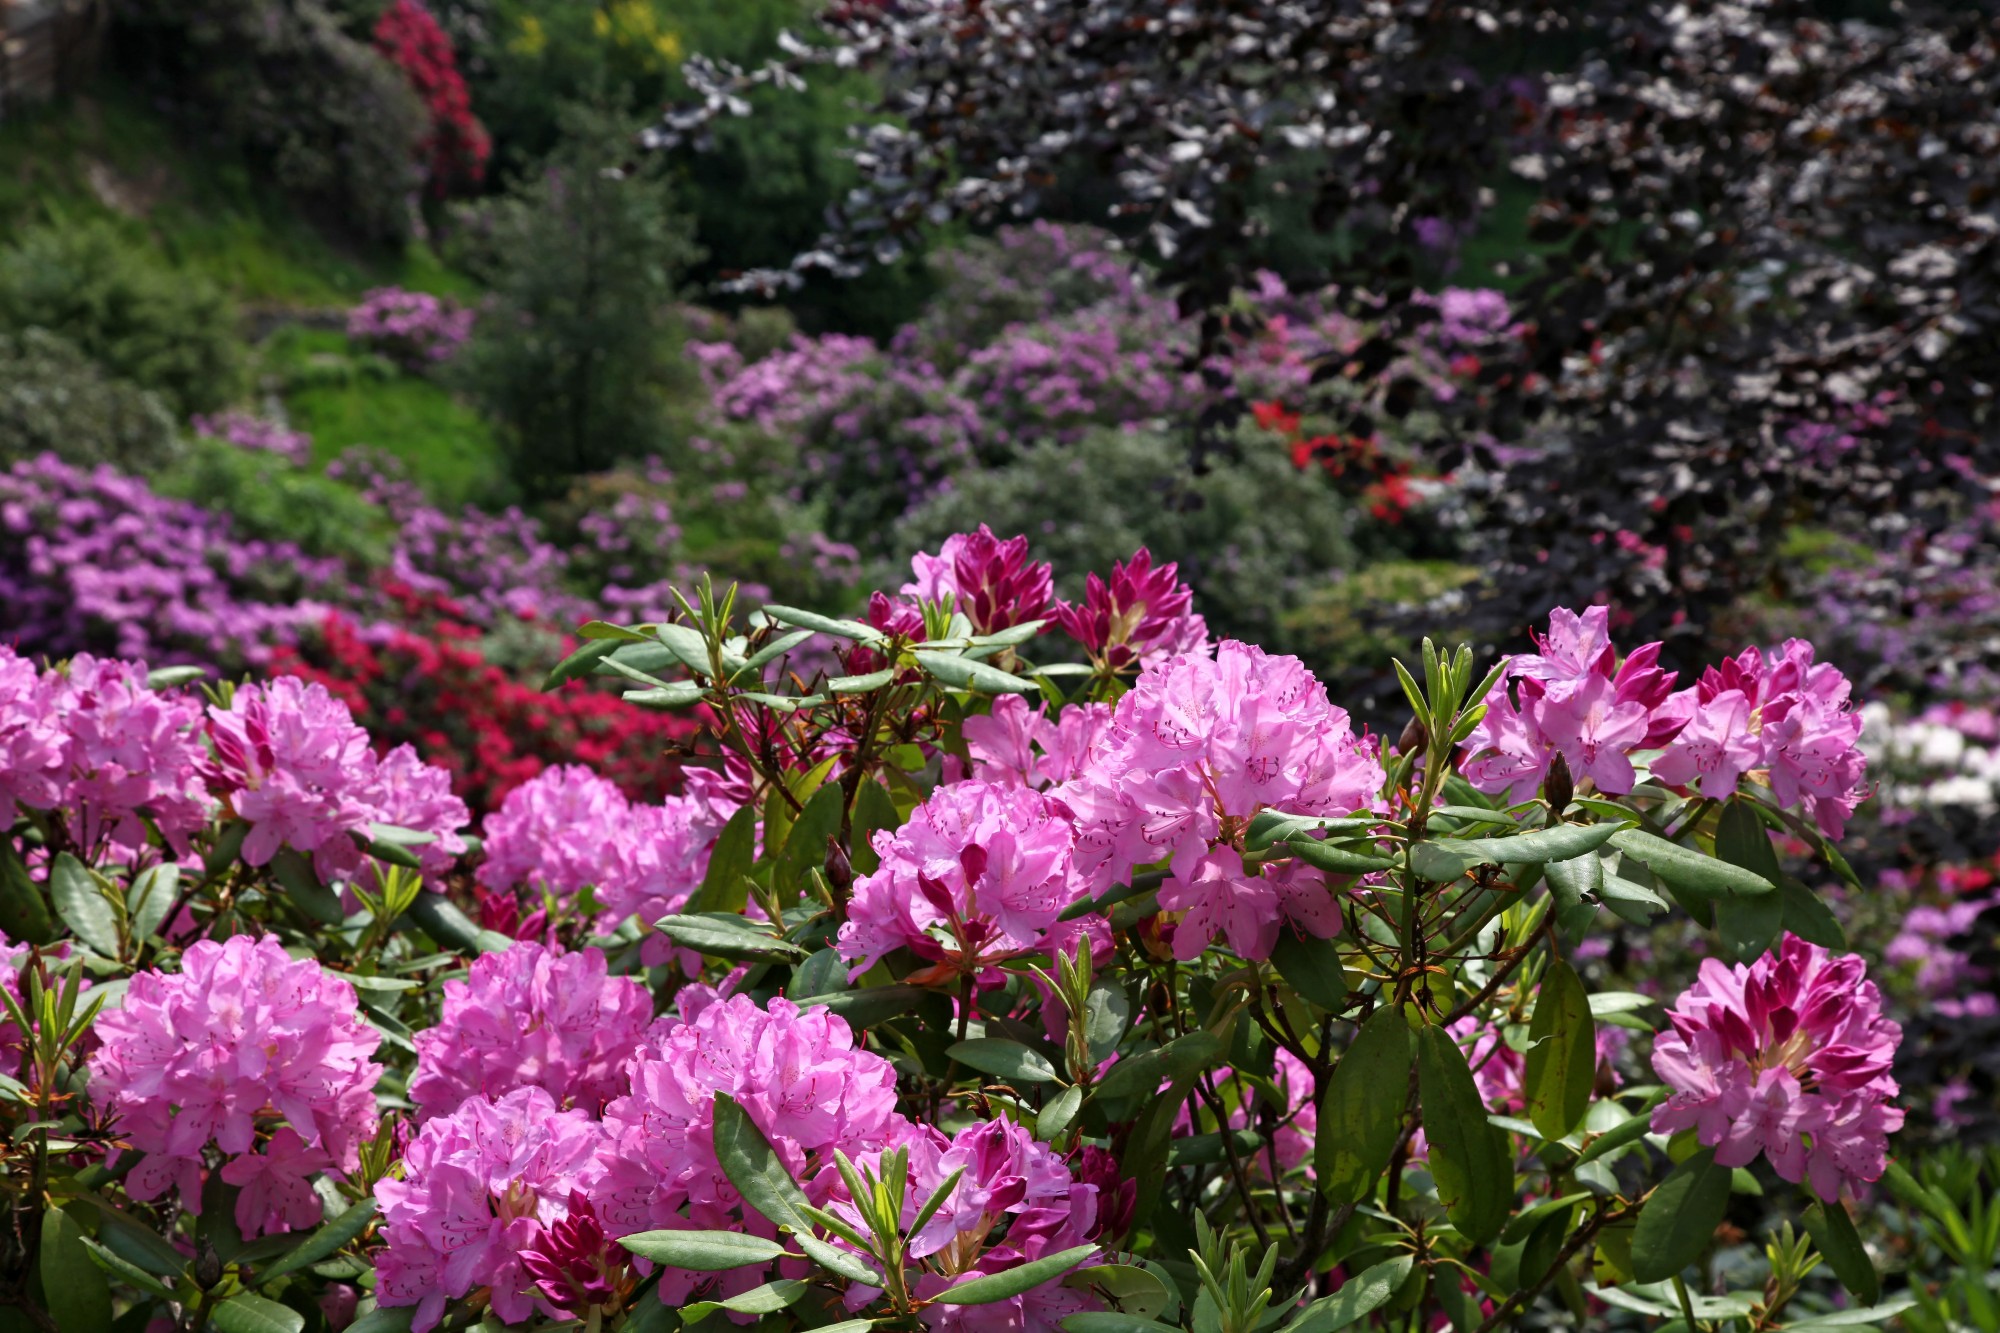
(1356, 462)
(427, 683)
(456, 149)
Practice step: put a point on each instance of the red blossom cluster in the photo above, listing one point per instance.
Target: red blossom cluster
(456, 149)
(425, 681)
(1356, 462)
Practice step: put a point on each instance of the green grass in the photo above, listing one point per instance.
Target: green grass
(449, 447)
(107, 154)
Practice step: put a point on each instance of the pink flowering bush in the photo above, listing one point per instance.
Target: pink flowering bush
(990, 964)
(416, 330)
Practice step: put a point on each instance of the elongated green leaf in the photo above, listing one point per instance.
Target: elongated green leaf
(1142, 1074)
(1337, 860)
(865, 1006)
(247, 1312)
(753, 1167)
(1747, 925)
(1444, 859)
(1832, 1230)
(1137, 1292)
(725, 936)
(863, 684)
(1873, 1316)
(1577, 880)
(722, 884)
(326, 1240)
(842, 629)
(82, 905)
(1685, 868)
(1056, 1117)
(1680, 1218)
(1470, 1160)
(1809, 918)
(806, 845)
(702, 1251)
(1620, 1135)
(389, 1319)
(1361, 1109)
(151, 897)
(295, 876)
(438, 917)
(1014, 1281)
(579, 663)
(76, 1287)
(681, 694)
(842, 1263)
(1311, 967)
(1362, 1294)
(124, 1269)
(166, 678)
(24, 912)
(1113, 1321)
(1003, 1059)
(1562, 1053)
(775, 649)
(1271, 827)
(767, 1299)
(967, 674)
(1630, 901)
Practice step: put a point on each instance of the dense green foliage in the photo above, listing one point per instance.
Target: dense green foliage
(55, 399)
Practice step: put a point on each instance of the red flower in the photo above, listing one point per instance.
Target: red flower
(457, 147)
(1274, 417)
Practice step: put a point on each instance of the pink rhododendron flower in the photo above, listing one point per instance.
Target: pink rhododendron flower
(480, 1189)
(1019, 744)
(245, 1045)
(796, 1072)
(409, 793)
(1790, 1057)
(1197, 747)
(1143, 614)
(1714, 750)
(526, 1015)
(991, 581)
(980, 873)
(291, 762)
(560, 832)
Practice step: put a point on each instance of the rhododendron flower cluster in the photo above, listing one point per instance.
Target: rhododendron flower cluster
(457, 146)
(246, 1049)
(992, 581)
(568, 830)
(482, 1188)
(413, 329)
(1779, 718)
(1197, 747)
(257, 434)
(1018, 744)
(1788, 1057)
(1141, 615)
(797, 1073)
(980, 873)
(92, 742)
(290, 761)
(529, 1016)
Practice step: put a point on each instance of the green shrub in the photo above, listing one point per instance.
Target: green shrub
(574, 356)
(271, 499)
(159, 327)
(54, 399)
(1253, 536)
(330, 118)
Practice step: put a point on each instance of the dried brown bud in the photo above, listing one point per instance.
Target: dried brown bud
(1558, 787)
(1414, 737)
(839, 870)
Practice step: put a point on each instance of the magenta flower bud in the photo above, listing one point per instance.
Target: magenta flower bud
(1142, 610)
(992, 581)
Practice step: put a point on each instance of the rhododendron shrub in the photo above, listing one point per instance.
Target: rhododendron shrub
(985, 964)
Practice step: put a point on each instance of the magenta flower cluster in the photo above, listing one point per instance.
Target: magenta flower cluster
(108, 757)
(1142, 614)
(1781, 719)
(1197, 747)
(413, 329)
(1788, 1057)
(248, 431)
(290, 761)
(248, 1051)
(992, 581)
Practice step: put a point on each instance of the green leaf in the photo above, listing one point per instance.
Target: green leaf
(965, 673)
(1575, 881)
(327, 1239)
(806, 844)
(1680, 1218)
(866, 1006)
(1470, 1157)
(841, 629)
(767, 1299)
(391, 1319)
(24, 912)
(1337, 860)
(1003, 1059)
(1809, 918)
(1445, 859)
(1107, 1017)
(725, 935)
(166, 678)
(1687, 869)
(1629, 901)
(1562, 1054)
(702, 1251)
(1311, 967)
(1142, 1074)
(1014, 1281)
(681, 694)
(774, 650)
(1057, 1116)
(295, 876)
(1620, 1135)
(842, 1263)
(735, 851)
(1362, 1294)
(753, 1167)
(579, 663)
(82, 905)
(1137, 1292)
(1748, 925)
(125, 1270)
(1832, 1230)
(1113, 1321)
(1361, 1109)
(1269, 827)
(74, 1285)
(247, 1312)
(862, 684)
(438, 917)
(874, 810)
(1858, 1318)
(151, 897)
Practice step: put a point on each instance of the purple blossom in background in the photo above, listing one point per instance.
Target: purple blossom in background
(414, 329)
(257, 434)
